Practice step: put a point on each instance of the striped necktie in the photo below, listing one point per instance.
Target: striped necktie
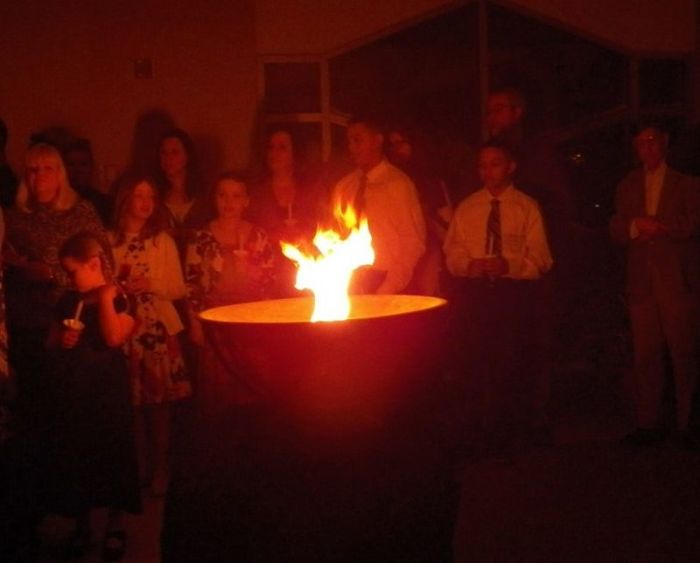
(493, 229)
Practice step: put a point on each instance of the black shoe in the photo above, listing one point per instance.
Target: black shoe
(114, 545)
(643, 438)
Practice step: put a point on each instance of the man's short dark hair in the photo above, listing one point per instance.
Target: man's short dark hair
(373, 123)
(500, 146)
(651, 123)
(514, 95)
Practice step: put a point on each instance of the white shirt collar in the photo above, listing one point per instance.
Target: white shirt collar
(374, 173)
(505, 194)
(660, 171)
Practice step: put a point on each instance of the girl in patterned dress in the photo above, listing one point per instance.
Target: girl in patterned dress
(230, 261)
(148, 267)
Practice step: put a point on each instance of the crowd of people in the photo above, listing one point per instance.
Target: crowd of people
(103, 289)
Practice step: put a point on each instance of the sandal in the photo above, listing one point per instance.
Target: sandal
(114, 545)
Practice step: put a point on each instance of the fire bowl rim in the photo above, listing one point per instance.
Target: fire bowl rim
(432, 304)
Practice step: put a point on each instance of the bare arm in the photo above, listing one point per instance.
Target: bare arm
(457, 257)
(115, 327)
(167, 281)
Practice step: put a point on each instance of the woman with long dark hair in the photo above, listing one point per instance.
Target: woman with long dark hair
(178, 179)
(286, 203)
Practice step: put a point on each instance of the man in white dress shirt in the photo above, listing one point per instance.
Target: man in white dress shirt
(388, 198)
(497, 246)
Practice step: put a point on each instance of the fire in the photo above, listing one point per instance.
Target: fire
(328, 274)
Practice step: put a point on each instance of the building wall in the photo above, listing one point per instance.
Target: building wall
(312, 27)
(70, 63)
(642, 26)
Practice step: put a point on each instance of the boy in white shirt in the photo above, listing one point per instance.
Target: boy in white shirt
(497, 245)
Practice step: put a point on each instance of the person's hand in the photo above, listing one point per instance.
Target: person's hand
(69, 338)
(196, 333)
(137, 284)
(495, 267)
(649, 227)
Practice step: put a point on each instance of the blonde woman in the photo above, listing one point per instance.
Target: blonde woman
(47, 212)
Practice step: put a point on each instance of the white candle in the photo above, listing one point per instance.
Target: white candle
(78, 310)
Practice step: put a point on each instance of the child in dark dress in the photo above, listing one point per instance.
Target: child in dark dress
(94, 460)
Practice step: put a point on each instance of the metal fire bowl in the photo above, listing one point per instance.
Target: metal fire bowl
(345, 372)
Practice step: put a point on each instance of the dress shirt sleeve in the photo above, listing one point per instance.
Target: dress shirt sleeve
(455, 247)
(408, 221)
(166, 280)
(536, 259)
(342, 192)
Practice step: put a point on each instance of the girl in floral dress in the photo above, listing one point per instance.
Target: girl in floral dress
(148, 267)
(230, 261)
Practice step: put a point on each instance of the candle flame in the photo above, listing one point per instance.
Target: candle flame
(328, 273)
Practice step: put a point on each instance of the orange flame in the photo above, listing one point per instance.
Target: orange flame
(328, 274)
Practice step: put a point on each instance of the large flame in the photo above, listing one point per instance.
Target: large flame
(328, 274)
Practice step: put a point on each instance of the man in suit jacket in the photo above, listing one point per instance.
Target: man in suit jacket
(657, 214)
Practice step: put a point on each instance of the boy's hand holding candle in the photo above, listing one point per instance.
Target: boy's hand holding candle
(72, 328)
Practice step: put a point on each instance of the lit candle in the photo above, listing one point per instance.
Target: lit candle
(78, 310)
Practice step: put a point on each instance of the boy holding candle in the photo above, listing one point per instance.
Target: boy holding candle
(497, 246)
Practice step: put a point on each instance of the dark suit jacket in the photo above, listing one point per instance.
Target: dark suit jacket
(671, 260)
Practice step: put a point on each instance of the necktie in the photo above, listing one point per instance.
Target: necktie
(493, 229)
(359, 202)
